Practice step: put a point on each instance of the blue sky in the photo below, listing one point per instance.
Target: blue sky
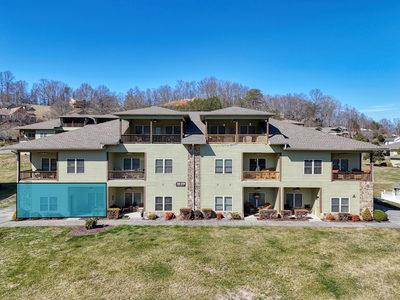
(348, 49)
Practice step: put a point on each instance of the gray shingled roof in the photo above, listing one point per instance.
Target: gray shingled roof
(236, 111)
(90, 137)
(108, 116)
(151, 111)
(50, 124)
(304, 138)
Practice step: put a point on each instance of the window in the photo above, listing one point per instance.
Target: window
(228, 166)
(142, 129)
(131, 163)
(223, 203)
(340, 205)
(42, 135)
(247, 129)
(223, 166)
(313, 166)
(163, 166)
(75, 165)
(340, 164)
(293, 200)
(217, 129)
(163, 203)
(173, 129)
(49, 164)
(48, 203)
(257, 164)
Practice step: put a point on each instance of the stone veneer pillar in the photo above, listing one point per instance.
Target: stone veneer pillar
(194, 172)
(366, 195)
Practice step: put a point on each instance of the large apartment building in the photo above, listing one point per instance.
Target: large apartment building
(232, 159)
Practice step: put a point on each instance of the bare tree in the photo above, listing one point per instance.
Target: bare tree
(134, 98)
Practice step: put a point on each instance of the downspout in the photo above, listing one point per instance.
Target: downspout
(194, 177)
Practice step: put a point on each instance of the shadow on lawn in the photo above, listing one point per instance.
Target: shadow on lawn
(7, 189)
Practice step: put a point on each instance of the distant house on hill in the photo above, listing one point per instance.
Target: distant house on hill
(392, 140)
(15, 113)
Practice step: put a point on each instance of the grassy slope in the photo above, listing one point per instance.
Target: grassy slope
(182, 262)
(7, 179)
(385, 177)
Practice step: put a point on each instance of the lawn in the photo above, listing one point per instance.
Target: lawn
(385, 177)
(8, 177)
(200, 262)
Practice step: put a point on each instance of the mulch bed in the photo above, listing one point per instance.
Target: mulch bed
(81, 230)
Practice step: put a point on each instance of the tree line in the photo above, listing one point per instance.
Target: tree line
(314, 109)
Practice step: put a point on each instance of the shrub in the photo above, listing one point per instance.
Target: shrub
(355, 218)
(91, 223)
(330, 217)
(152, 216)
(219, 216)
(344, 217)
(366, 215)
(380, 215)
(268, 214)
(285, 214)
(234, 216)
(186, 213)
(208, 213)
(169, 215)
(198, 215)
(113, 213)
(300, 213)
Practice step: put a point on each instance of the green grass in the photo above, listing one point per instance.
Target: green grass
(8, 177)
(200, 262)
(385, 177)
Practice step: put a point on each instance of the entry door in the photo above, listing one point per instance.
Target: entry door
(133, 199)
(293, 200)
(257, 199)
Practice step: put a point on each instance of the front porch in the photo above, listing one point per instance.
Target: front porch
(128, 199)
(302, 198)
(257, 198)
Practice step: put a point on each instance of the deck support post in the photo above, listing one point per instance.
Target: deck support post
(181, 130)
(18, 165)
(151, 131)
(236, 131)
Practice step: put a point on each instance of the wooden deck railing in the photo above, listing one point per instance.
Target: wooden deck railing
(261, 175)
(135, 175)
(357, 176)
(239, 138)
(73, 124)
(145, 138)
(38, 175)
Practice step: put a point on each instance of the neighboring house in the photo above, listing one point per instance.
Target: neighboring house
(394, 154)
(62, 124)
(393, 196)
(392, 140)
(13, 113)
(232, 159)
(339, 131)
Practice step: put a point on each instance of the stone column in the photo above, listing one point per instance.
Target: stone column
(193, 180)
(366, 195)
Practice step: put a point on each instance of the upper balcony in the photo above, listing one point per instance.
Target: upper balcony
(41, 166)
(126, 166)
(348, 167)
(237, 131)
(261, 166)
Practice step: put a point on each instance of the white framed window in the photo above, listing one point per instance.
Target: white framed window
(75, 165)
(257, 164)
(340, 204)
(163, 166)
(313, 166)
(223, 166)
(293, 200)
(223, 203)
(163, 203)
(49, 164)
(131, 163)
(341, 164)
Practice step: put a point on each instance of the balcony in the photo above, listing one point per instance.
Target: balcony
(38, 175)
(128, 175)
(151, 139)
(352, 176)
(261, 175)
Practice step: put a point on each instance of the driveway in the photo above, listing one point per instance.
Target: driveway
(392, 211)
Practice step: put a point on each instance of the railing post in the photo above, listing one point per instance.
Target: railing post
(206, 132)
(181, 130)
(236, 131)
